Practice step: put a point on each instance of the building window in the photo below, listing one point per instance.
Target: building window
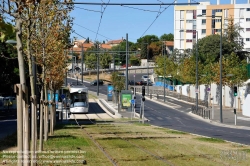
(247, 39)
(189, 31)
(241, 14)
(203, 21)
(189, 21)
(189, 40)
(203, 12)
(182, 14)
(203, 31)
(247, 29)
(226, 13)
(217, 20)
(248, 9)
(247, 19)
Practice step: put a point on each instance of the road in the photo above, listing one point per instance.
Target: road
(175, 116)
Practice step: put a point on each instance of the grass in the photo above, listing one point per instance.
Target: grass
(135, 144)
(213, 140)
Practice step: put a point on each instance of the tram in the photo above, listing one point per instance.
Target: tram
(78, 99)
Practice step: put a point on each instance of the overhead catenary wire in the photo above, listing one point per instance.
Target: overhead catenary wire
(157, 17)
(88, 9)
(92, 31)
(101, 19)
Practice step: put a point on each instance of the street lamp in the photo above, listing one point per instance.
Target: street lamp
(213, 16)
(147, 68)
(164, 77)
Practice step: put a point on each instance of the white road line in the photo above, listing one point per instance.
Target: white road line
(159, 118)
(243, 118)
(150, 118)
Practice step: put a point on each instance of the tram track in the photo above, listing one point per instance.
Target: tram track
(105, 152)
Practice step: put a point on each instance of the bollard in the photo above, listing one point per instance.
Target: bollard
(157, 96)
(150, 95)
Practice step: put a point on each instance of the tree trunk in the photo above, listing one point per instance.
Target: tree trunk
(41, 121)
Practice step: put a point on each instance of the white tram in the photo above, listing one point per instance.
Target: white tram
(79, 102)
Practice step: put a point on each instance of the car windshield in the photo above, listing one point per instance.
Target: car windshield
(145, 76)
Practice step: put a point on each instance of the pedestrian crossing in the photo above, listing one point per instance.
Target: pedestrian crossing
(152, 118)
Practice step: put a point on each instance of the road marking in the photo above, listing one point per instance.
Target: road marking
(243, 118)
(151, 118)
(159, 118)
(167, 117)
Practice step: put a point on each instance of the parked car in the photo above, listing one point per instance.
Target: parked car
(150, 83)
(144, 77)
(94, 83)
(132, 82)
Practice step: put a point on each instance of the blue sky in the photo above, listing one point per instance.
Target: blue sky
(117, 21)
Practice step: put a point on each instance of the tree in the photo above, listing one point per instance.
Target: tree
(105, 60)
(209, 48)
(232, 34)
(167, 37)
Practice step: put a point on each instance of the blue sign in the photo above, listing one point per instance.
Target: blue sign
(63, 96)
(132, 101)
(109, 93)
(56, 98)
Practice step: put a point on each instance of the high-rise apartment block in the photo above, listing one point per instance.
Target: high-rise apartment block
(197, 19)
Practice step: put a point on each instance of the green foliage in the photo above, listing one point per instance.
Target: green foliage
(118, 81)
(134, 60)
(209, 48)
(7, 30)
(167, 37)
(105, 60)
(90, 61)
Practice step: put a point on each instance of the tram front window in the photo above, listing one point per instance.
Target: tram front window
(78, 100)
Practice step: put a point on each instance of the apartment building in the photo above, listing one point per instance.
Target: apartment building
(196, 21)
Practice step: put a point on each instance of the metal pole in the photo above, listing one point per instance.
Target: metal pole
(126, 62)
(97, 71)
(164, 74)
(82, 63)
(147, 69)
(196, 90)
(72, 59)
(113, 63)
(221, 119)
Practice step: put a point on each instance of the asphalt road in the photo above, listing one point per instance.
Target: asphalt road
(175, 117)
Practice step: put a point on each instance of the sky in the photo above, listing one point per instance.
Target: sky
(105, 23)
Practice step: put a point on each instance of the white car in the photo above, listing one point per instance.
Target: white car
(144, 78)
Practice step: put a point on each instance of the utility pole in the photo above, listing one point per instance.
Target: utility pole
(82, 55)
(127, 61)
(97, 47)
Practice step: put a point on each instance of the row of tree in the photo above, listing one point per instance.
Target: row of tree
(181, 65)
(41, 31)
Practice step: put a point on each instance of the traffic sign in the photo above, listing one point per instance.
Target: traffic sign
(196, 90)
(132, 101)
(62, 96)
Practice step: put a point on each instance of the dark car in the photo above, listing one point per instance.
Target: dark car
(145, 83)
(132, 82)
(94, 83)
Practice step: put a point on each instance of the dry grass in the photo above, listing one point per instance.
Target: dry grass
(104, 76)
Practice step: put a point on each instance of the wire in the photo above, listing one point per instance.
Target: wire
(88, 9)
(79, 34)
(139, 9)
(92, 31)
(101, 18)
(160, 12)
